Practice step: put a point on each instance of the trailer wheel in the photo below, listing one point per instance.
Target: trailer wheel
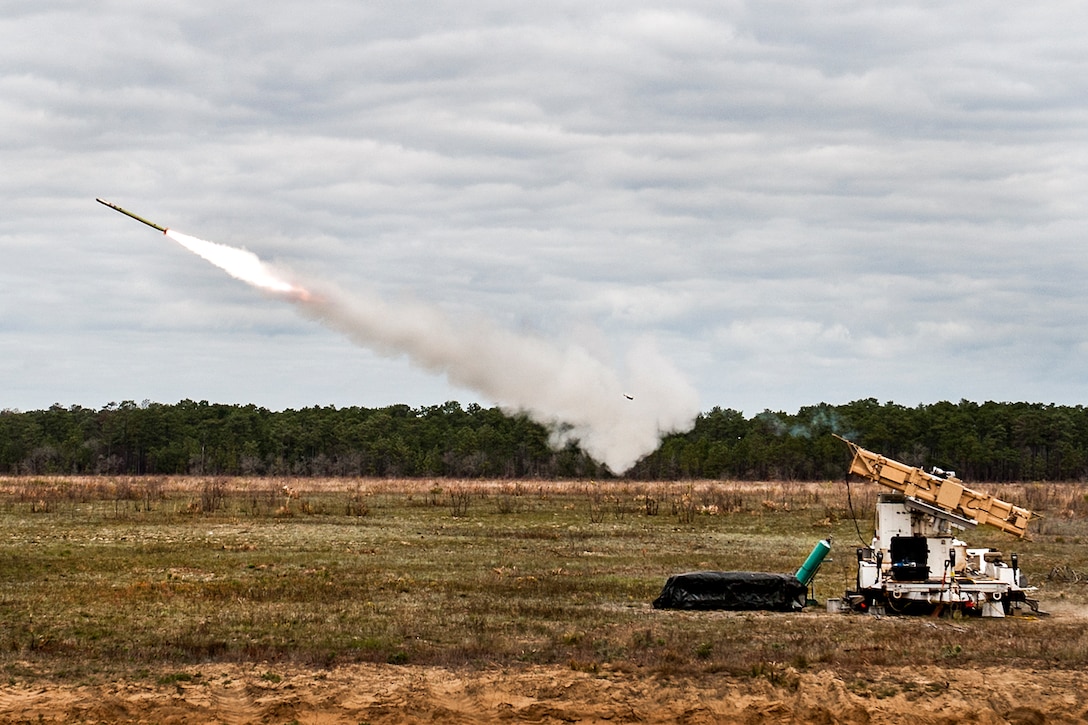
(905, 606)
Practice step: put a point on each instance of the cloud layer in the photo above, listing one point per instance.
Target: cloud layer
(797, 203)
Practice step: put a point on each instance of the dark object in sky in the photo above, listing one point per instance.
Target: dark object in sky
(735, 590)
(137, 217)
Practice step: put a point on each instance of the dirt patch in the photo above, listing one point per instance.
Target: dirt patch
(406, 694)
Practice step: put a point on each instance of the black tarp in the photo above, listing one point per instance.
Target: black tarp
(736, 590)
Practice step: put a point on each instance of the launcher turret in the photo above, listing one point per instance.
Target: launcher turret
(940, 488)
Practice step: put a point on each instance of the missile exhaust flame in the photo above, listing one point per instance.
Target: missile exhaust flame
(240, 264)
(564, 387)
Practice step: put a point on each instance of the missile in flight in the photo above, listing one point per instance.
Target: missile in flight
(137, 217)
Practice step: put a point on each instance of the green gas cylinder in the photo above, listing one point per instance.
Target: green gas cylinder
(812, 563)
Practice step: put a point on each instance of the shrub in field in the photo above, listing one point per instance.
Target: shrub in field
(506, 503)
(459, 499)
(212, 495)
(358, 504)
(685, 507)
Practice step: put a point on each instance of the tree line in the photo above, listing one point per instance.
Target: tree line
(982, 441)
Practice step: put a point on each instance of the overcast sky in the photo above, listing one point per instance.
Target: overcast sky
(799, 202)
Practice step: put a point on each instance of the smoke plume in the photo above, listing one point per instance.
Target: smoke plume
(578, 396)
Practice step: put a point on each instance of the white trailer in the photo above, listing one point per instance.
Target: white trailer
(916, 564)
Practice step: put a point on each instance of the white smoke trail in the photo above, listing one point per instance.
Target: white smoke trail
(561, 386)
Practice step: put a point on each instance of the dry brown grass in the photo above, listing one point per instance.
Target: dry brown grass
(155, 573)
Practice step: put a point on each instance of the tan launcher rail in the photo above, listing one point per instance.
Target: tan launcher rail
(948, 493)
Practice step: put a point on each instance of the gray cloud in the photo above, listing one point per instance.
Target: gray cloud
(799, 203)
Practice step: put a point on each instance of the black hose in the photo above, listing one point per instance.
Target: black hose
(850, 502)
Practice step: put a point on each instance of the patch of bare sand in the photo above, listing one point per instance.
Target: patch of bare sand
(404, 694)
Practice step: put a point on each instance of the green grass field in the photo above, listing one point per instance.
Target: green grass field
(110, 577)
